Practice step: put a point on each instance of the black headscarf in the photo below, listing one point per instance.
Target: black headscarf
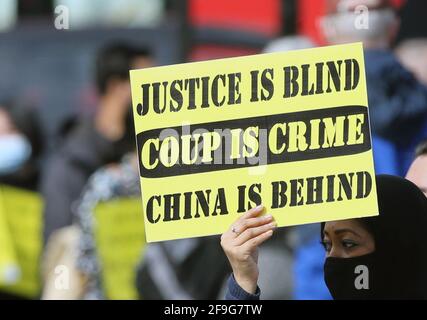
(400, 234)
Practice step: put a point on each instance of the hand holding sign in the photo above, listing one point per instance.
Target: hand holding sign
(240, 243)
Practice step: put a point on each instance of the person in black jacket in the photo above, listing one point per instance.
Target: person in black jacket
(92, 143)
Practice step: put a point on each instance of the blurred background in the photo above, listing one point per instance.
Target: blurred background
(67, 158)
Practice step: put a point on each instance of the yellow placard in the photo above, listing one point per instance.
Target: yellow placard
(23, 216)
(9, 267)
(119, 236)
(290, 130)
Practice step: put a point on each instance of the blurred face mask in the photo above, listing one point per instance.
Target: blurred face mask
(15, 150)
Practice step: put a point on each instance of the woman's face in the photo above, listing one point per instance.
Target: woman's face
(347, 239)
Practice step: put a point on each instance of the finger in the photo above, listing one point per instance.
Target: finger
(241, 226)
(255, 242)
(253, 212)
(232, 231)
(247, 215)
(252, 233)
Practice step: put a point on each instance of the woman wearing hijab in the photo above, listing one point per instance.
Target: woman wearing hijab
(389, 249)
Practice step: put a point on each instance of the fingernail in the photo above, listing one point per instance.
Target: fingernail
(268, 217)
(260, 207)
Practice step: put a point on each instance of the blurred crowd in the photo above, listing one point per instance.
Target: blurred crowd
(94, 160)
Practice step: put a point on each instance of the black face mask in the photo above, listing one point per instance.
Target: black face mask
(352, 278)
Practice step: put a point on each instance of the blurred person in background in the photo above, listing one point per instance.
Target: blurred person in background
(184, 269)
(92, 143)
(166, 270)
(417, 172)
(397, 101)
(413, 55)
(20, 146)
(75, 246)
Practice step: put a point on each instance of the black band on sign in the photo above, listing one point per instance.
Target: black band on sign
(298, 136)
